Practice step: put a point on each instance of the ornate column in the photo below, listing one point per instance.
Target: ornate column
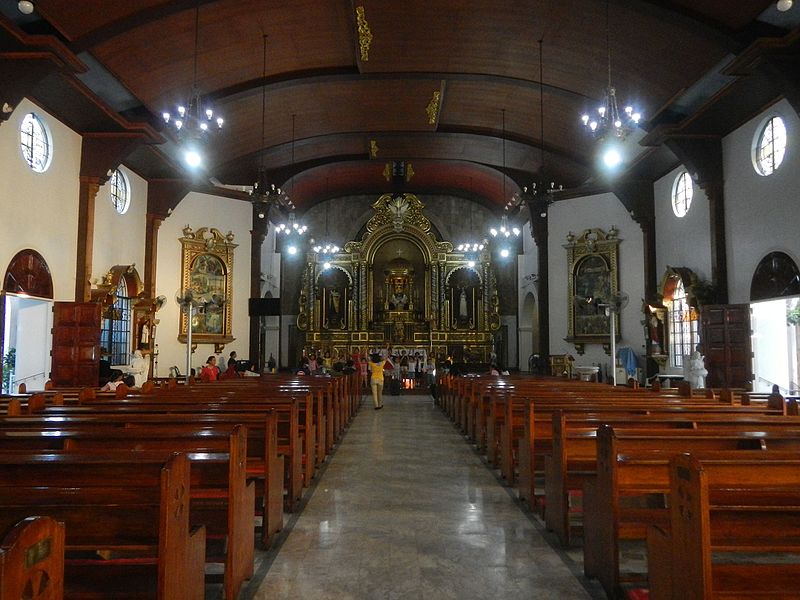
(537, 207)
(89, 186)
(257, 236)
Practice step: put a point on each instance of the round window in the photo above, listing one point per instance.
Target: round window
(35, 143)
(682, 192)
(120, 194)
(770, 147)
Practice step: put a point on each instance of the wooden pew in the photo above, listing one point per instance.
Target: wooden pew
(32, 560)
(113, 503)
(190, 433)
(735, 506)
(633, 465)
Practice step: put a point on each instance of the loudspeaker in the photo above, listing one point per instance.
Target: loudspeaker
(264, 307)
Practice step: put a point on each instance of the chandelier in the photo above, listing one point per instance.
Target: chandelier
(505, 230)
(607, 121)
(265, 194)
(325, 247)
(195, 121)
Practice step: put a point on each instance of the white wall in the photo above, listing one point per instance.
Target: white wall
(526, 265)
(684, 241)
(201, 210)
(119, 239)
(761, 213)
(40, 210)
(576, 215)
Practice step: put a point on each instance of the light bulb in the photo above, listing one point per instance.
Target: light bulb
(593, 125)
(182, 110)
(504, 253)
(585, 119)
(192, 158)
(612, 158)
(480, 247)
(636, 117)
(493, 231)
(783, 5)
(326, 265)
(602, 111)
(617, 123)
(204, 126)
(209, 113)
(516, 230)
(178, 124)
(628, 110)
(219, 122)
(25, 7)
(471, 263)
(165, 115)
(261, 214)
(291, 250)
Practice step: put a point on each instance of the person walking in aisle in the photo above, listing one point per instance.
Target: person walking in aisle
(376, 380)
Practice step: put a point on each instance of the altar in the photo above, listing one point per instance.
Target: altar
(400, 285)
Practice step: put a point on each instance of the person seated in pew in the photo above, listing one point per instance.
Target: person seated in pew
(111, 386)
(230, 372)
(209, 371)
(303, 368)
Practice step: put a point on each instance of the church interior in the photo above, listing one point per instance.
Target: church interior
(559, 220)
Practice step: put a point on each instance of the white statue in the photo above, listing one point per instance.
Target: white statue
(697, 370)
(139, 368)
(462, 303)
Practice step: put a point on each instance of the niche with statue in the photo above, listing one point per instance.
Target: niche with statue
(333, 293)
(465, 296)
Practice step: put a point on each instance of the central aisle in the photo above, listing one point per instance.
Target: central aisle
(407, 510)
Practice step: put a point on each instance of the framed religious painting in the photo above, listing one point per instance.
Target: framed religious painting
(207, 285)
(593, 282)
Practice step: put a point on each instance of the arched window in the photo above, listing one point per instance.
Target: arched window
(120, 191)
(115, 334)
(682, 192)
(34, 141)
(770, 147)
(683, 320)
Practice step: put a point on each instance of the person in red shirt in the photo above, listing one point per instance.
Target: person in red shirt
(209, 371)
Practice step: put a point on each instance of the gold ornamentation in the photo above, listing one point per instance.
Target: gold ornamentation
(593, 260)
(409, 172)
(207, 270)
(387, 172)
(373, 149)
(433, 107)
(401, 210)
(364, 34)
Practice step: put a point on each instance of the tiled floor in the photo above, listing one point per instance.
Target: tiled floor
(406, 509)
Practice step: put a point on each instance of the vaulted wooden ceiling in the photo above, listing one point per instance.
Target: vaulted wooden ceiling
(481, 56)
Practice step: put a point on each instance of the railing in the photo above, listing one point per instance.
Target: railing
(784, 391)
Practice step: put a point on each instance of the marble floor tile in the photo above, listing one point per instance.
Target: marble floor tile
(406, 509)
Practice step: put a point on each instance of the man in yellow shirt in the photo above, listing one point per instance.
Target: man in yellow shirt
(376, 379)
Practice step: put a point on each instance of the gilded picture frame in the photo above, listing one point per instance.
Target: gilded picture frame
(207, 270)
(593, 264)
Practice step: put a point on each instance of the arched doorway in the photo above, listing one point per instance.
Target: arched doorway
(775, 323)
(27, 302)
(529, 340)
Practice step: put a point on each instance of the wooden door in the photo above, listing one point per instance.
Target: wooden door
(725, 336)
(76, 344)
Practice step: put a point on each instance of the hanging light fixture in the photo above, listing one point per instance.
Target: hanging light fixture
(505, 229)
(607, 121)
(471, 246)
(325, 247)
(195, 121)
(541, 187)
(290, 227)
(265, 194)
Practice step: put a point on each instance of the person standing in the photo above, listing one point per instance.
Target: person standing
(376, 380)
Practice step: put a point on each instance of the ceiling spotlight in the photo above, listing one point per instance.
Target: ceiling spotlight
(783, 5)
(504, 252)
(326, 265)
(26, 7)
(192, 158)
(612, 158)
(471, 264)
(291, 250)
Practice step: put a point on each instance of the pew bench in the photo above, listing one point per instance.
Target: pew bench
(32, 560)
(137, 508)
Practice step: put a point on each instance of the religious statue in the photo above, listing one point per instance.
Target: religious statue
(697, 370)
(462, 303)
(399, 299)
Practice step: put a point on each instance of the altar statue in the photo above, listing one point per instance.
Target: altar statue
(697, 370)
(399, 299)
(462, 303)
